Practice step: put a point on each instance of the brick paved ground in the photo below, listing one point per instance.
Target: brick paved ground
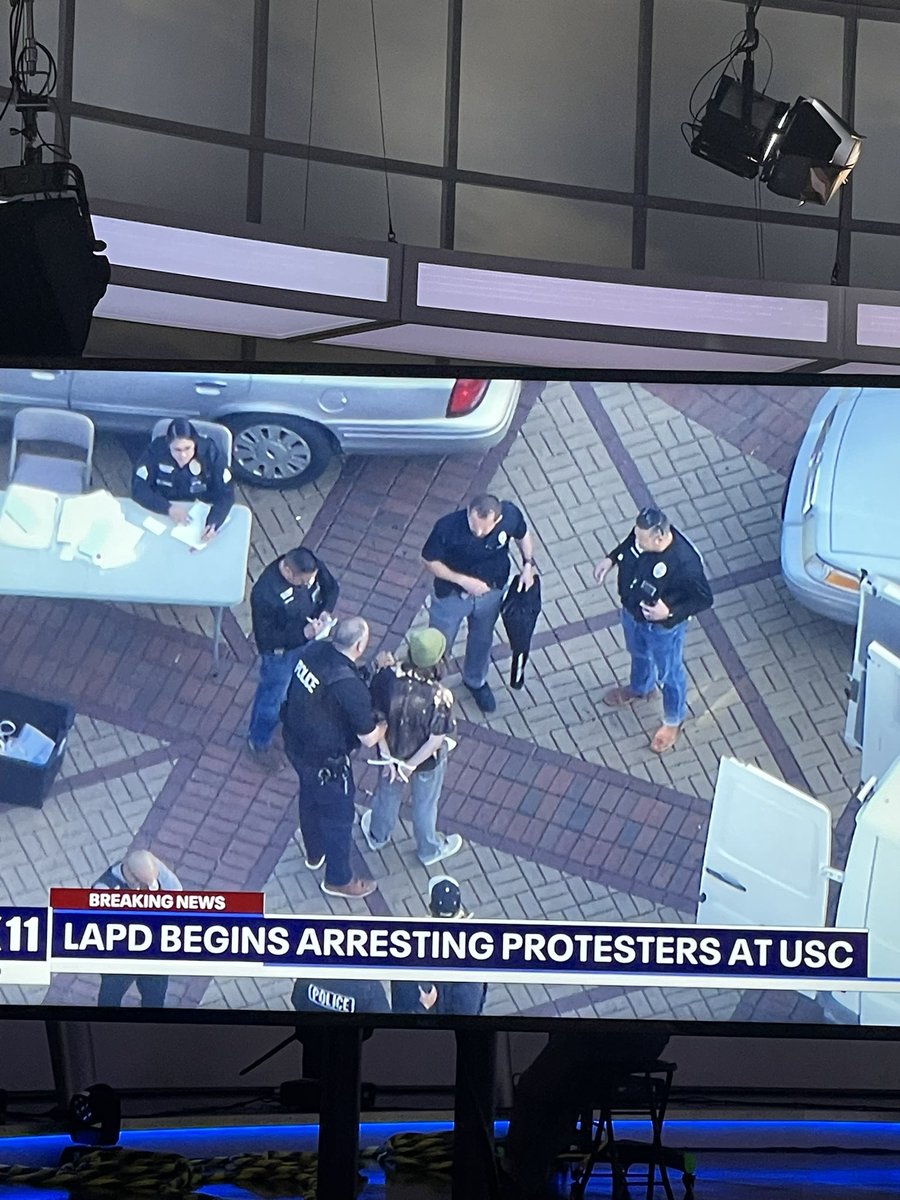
(564, 812)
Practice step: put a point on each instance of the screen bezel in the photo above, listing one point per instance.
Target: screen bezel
(827, 1030)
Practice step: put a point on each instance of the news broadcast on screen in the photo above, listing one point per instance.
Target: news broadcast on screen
(387, 692)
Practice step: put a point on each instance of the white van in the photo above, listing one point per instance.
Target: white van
(768, 857)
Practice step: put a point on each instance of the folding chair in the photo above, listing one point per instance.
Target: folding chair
(220, 435)
(55, 471)
(647, 1090)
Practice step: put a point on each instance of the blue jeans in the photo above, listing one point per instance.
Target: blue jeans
(425, 788)
(275, 671)
(657, 660)
(480, 613)
(152, 989)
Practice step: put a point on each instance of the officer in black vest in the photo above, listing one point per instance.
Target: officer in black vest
(340, 996)
(327, 714)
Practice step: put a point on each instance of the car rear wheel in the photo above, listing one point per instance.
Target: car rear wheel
(274, 451)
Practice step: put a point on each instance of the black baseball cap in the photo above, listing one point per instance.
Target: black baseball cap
(650, 517)
(444, 897)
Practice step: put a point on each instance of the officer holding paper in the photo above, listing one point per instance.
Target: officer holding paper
(291, 603)
(179, 468)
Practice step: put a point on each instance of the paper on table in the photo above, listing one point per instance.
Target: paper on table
(192, 533)
(29, 517)
(79, 513)
(111, 543)
(154, 525)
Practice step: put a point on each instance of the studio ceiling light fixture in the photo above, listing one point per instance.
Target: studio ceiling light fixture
(803, 151)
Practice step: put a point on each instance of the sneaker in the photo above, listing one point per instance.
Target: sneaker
(314, 864)
(484, 698)
(453, 843)
(356, 889)
(365, 824)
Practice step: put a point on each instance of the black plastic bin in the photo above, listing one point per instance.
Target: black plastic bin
(28, 783)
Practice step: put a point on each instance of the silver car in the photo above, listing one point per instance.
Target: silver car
(286, 427)
(840, 505)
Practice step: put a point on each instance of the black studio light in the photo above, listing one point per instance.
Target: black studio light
(734, 134)
(803, 151)
(52, 274)
(810, 154)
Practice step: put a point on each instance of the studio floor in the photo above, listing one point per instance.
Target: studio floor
(736, 1159)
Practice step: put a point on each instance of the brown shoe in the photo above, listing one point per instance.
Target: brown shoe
(665, 738)
(618, 697)
(356, 889)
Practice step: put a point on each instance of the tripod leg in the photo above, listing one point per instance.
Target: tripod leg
(257, 1062)
(339, 1114)
(474, 1169)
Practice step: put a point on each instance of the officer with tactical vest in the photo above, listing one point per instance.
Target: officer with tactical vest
(327, 714)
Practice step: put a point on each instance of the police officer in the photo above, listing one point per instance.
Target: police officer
(661, 586)
(138, 871)
(340, 996)
(327, 714)
(290, 603)
(445, 999)
(467, 552)
(179, 468)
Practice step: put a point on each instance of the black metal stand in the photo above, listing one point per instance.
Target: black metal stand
(71, 1050)
(474, 1166)
(339, 1115)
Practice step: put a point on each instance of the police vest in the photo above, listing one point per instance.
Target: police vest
(310, 713)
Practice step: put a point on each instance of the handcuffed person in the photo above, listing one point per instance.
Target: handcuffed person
(467, 552)
(327, 714)
(661, 586)
(290, 604)
(419, 714)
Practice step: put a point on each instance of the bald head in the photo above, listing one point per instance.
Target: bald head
(140, 869)
(351, 636)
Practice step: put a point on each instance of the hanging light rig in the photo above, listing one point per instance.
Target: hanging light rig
(52, 274)
(803, 151)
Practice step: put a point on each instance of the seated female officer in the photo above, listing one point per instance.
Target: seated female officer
(179, 468)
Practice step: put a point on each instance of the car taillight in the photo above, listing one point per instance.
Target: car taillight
(467, 394)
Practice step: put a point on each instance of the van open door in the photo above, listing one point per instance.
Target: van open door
(868, 897)
(873, 711)
(768, 853)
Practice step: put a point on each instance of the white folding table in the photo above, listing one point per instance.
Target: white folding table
(165, 570)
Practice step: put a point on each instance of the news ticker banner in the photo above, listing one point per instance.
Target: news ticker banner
(229, 934)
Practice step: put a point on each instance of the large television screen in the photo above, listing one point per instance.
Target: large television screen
(215, 800)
